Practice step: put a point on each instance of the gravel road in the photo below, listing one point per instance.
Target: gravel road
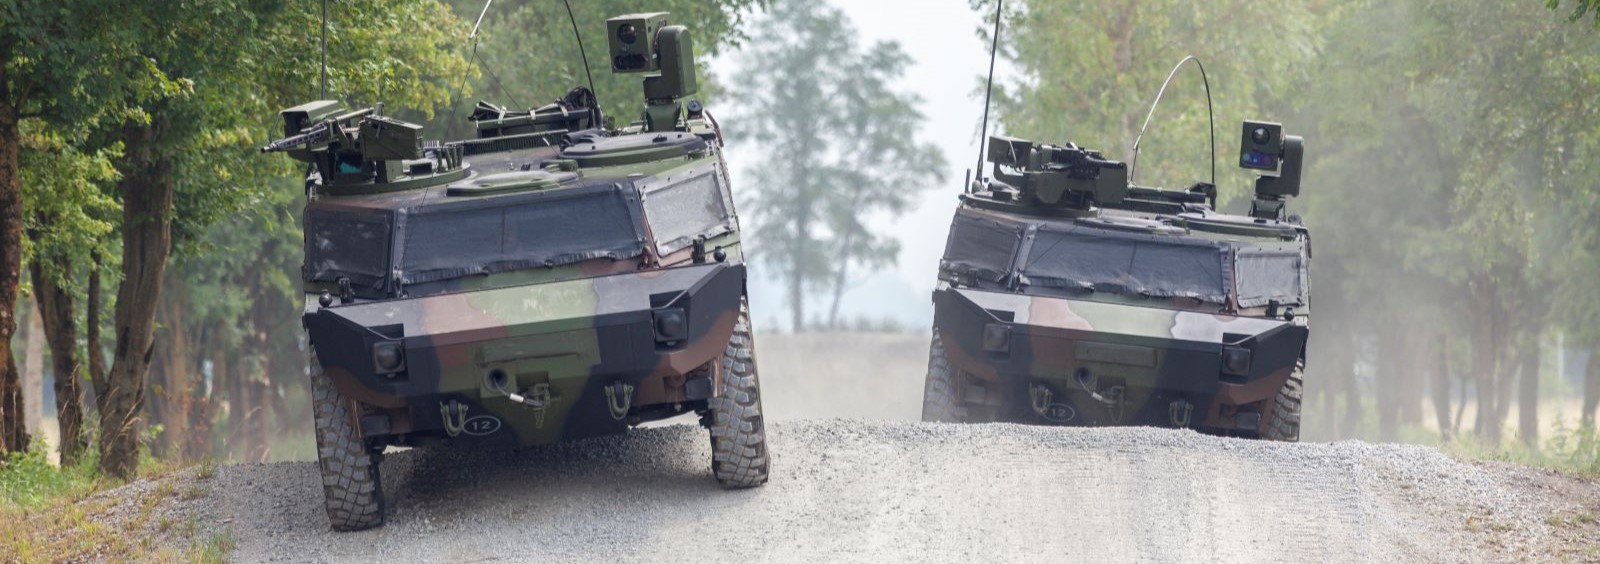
(854, 481)
(879, 491)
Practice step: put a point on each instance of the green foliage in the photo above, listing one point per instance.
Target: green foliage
(528, 56)
(28, 479)
(1573, 449)
(1089, 71)
(841, 156)
(1580, 8)
(69, 212)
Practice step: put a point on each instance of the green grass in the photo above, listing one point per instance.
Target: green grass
(50, 514)
(28, 479)
(1571, 449)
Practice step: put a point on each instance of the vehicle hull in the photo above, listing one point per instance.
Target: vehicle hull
(589, 351)
(1079, 362)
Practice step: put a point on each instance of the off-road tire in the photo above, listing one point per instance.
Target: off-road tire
(739, 457)
(1285, 425)
(939, 392)
(351, 488)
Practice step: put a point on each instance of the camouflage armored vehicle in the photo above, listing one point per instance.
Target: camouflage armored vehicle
(1067, 296)
(550, 279)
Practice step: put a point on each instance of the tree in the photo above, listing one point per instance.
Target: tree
(67, 63)
(513, 30)
(65, 206)
(1089, 72)
(188, 154)
(839, 144)
(1580, 9)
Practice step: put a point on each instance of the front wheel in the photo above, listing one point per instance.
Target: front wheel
(1285, 425)
(739, 456)
(938, 393)
(351, 488)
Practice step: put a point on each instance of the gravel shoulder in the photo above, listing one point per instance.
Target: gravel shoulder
(864, 491)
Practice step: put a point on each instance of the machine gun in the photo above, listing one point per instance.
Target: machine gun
(316, 125)
(362, 147)
(1051, 175)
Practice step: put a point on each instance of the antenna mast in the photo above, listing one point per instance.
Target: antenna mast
(583, 54)
(994, 49)
(324, 50)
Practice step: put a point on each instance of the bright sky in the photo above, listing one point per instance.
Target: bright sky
(948, 59)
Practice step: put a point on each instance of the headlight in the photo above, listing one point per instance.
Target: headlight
(671, 324)
(997, 338)
(389, 357)
(1236, 361)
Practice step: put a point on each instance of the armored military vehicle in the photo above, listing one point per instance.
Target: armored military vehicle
(1068, 296)
(550, 279)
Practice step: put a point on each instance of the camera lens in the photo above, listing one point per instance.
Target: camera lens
(1260, 136)
(627, 33)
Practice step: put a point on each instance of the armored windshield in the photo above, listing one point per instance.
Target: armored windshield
(1063, 254)
(494, 224)
(1158, 266)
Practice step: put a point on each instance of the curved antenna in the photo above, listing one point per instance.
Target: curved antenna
(583, 54)
(983, 134)
(1210, 115)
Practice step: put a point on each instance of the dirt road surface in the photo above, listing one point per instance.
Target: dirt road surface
(853, 482)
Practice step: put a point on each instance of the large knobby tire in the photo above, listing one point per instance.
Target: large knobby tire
(351, 488)
(739, 456)
(939, 393)
(1285, 424)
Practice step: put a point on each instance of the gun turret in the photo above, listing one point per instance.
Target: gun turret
(1068, 176)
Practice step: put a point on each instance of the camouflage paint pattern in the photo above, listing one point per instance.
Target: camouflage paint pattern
(576, 337)
(565, 332)
(1155, 356)
(1107, 358)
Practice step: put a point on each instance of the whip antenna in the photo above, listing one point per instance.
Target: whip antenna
(324, 50)
(581, 53)
(472, 62)
(994, 49)
(1133, 168)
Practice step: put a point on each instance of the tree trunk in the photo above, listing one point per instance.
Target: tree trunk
(168, 380)
(61, 332)
(1591, 388)
(13, 433)
(1505, 383)
(1391, 376)
(91, 329)
(32, 371)
(1441, 388)
(1483, 360)
(1528, 394)
(146, 189)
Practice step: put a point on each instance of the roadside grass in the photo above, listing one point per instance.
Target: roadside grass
(51, 514)
(1565, 446)
(1570, 449)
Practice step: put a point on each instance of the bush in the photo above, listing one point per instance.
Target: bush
(28, 479)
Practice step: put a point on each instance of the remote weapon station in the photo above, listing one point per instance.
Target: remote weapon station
(550, 279)
(1069, 296)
